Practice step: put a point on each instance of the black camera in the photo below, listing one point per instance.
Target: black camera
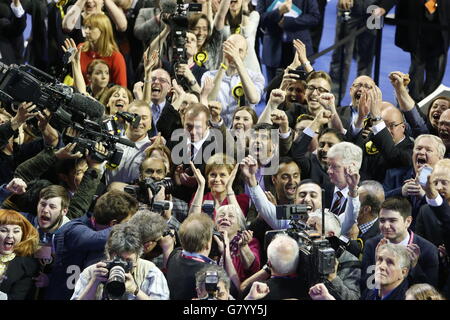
(300, 72)
(115, 285)
(208, 207)
(26, 83)
(140, 191)
(317, 258)
(113, 125)
(211, 282)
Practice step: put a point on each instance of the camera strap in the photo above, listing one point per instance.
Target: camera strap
(196, 257)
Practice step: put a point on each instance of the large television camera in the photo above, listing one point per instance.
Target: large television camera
(178, 23)
(140, 190)
(316, 256)
(26, 83)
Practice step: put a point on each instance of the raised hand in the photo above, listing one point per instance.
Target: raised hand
(229, 185)
(327, 101)
(300, 50)
(352, 178)
(70, 44)
(17, 186)
(138, 90)
(277, 97)
(271, 197)
(24, 113)
(320, 292)
(249, 166)
(258, 291)
(150, 60)
(280, 118)
(197, 174)
(66, 152)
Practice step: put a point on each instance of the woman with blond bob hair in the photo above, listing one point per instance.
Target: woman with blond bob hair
(220, 172)
(100, 44)
(18, 242)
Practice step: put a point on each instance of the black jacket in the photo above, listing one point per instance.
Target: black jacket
(19, 284)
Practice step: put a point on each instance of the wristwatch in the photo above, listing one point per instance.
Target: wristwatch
(376, 118)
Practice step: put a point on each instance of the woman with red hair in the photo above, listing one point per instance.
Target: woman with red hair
(18, 242)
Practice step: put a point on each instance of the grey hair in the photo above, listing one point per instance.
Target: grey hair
(373, 187)
(400, 252)
(124, 238)
(283, 254)
(349, 152)
(237, 211)
(438, 141)
(200, 276)
(151, 225)
(332, 222)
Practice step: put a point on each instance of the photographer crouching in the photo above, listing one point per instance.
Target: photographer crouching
(123, 275)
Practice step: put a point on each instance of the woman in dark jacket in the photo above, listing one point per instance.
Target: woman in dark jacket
(18, 242)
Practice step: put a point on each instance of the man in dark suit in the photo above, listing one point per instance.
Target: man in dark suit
(371, 196)
(12, 25)
(281, 30)
(395, 219)
(423, 31)
(196, 143)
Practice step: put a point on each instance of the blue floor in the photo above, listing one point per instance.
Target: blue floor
(392, 57)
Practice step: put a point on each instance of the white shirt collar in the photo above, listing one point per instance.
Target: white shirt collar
(198, 144)
(343, 191)
(405, 241)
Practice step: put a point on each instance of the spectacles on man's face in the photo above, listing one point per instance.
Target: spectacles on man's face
(320, 89)
(161, 80)
(359, 85)
(393, 125)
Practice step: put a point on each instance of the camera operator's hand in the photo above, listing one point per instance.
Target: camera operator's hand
(320, 292)
(99, 273)
(215, 108)
(130, 284)
(49, 134)
(66, 152)
(17, 186)
(249, 166)
(221, 244)
(71, 132)
(258, 291)
(24, 112)
(94, 163)
(184, 70)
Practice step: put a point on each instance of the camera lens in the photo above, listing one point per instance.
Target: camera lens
(115, 286)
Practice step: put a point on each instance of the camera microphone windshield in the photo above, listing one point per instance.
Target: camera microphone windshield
(88, 105)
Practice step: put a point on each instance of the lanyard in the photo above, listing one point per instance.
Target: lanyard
(196, 257)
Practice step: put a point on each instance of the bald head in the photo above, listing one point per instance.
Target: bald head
(444, 128)
(359, 85)
(385, 104)
(393, 118)
(240, 43)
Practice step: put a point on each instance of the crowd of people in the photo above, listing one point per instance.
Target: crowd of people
(201, 197)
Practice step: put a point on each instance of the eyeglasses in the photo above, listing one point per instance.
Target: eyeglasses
(320, 89)
(162, 80)
(393, 125)
(359, 85)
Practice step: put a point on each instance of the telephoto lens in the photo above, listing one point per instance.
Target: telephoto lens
(115, 286)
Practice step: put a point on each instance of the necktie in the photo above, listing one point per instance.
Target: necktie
(192, 152)
(337, 203)
(431, 6)
(156, 110)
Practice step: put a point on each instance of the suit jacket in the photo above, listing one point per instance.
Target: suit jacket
(384, 156)
(414, 26)
(11, 38)
(168, 121)
(294, 28)
(357, 247)
(213, 143)
(345, 113)
(19, 284)
(427, 267)
(433, 223)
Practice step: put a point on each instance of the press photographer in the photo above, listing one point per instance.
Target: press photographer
(123, 275)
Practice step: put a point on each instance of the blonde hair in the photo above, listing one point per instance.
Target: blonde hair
(30, 236)
(106, 45)
(219, 160)
(424, 291)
